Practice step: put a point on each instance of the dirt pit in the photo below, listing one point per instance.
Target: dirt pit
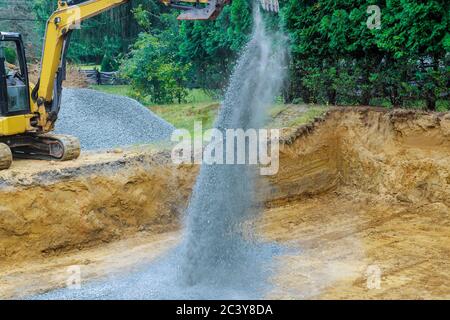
(363, 195)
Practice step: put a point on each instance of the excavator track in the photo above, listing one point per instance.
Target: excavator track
(45, 147)
(5, 156)
(70, 145)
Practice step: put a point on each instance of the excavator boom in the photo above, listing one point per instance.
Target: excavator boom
(70, 13)
(210, 9)
(197, 9)
(27, 118)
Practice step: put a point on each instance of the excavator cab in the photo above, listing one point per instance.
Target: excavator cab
(14, 87)
(28, 115)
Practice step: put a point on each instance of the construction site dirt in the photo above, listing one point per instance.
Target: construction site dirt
(361, 192)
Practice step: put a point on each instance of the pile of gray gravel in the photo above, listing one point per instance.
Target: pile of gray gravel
(105, 121)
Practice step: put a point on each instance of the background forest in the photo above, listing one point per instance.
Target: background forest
(335, 58)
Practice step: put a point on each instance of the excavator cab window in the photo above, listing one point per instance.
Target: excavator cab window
(14, 91)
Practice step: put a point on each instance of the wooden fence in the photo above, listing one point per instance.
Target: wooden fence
(98, 77)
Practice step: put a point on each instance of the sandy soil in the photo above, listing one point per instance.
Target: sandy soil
(345, 242)
(367, 203)
(342, 241)
(41, 275)
(362, 195)
(53, 210)
(74, 79)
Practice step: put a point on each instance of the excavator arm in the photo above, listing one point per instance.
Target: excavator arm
(59, 26)
(24, 132)
(210, 9)
(197, 9)
(46, 95)
(47, 92)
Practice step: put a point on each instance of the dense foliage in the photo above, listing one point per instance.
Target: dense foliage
(104, 37)
(153, 65)
(174, 56)
(335, 57)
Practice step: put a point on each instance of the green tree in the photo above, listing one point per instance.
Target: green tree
(338, 59)
(10, 55)
(211, 47)
(153, 68)
(414, 35)
(115, 30)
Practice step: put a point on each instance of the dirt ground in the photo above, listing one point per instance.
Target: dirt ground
(74, 79)
(345, 240)
(363, 195)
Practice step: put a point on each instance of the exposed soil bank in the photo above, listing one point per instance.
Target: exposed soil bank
(96, 199)
(362, 194)
(359, 188)
(400, 154)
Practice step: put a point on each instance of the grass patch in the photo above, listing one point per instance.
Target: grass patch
(120, 90)
(183, 116)
(88, 66)
(199, 106)
(276, 109)
(293, 115)
(443, 105)
(198, 95)
(193, 96)
(203, 108)
(309, 115)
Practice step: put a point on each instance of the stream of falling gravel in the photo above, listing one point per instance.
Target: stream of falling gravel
(219, 257)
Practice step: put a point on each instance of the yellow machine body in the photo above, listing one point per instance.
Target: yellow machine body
(13, 125)
(24, 127)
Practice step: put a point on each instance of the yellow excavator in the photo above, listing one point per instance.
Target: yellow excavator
(28, 111)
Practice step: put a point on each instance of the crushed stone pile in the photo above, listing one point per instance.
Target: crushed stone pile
(105, 121)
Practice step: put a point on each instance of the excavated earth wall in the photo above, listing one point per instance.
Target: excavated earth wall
(375, 179)
(402, 154)
(93, 200)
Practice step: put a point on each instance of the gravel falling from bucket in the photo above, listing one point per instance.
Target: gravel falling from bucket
(219, 257)
(218, 249)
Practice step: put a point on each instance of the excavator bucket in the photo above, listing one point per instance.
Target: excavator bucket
(209, 9)
(270, 5)
(197, 9)
(208, 12)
